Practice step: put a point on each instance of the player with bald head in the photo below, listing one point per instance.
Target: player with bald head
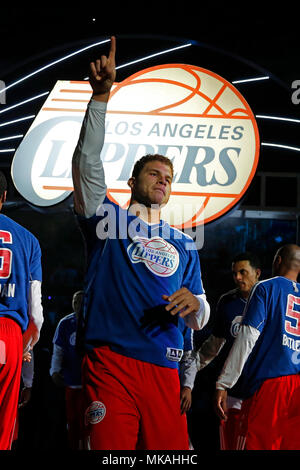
(287, 261)
(264, 361)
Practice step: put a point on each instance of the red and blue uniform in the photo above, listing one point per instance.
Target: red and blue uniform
(132, 344)
(20, 256)
(269, 382)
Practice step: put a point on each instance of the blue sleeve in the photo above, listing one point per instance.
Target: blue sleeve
(35, 261)
(219, 328)
(192, 276)
(255, 313)
(58, 335)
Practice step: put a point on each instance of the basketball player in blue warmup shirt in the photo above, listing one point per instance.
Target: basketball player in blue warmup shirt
(21, 312)
(140, 277)
(264, 360)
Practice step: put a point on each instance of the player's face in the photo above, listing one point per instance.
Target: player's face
(153, 185)
(244, 276)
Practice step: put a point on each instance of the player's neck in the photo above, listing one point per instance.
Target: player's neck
(291, 276)
(150, 215)
(287, 273)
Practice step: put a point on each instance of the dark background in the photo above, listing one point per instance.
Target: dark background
(235, 40)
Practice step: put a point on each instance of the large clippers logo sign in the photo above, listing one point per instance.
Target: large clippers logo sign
(195, 117)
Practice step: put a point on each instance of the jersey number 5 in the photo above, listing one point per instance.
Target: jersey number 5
(5, 255)
(293, 327)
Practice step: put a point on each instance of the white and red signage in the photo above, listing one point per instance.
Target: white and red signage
(190, 114)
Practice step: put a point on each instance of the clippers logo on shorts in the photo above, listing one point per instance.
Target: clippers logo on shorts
(235, 326)
(174, 355)
(95, 413)
(192, 115)
(159, 256)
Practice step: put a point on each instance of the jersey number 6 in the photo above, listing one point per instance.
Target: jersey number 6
(5, 255)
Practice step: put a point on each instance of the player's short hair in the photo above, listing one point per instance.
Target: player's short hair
(253, 259)
(77, 295)
(139, 165)
(3, 183)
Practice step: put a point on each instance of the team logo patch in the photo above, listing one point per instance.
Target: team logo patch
(95, 413)
(174, 354)
(157, 254)
(235, 326)
(73, 339)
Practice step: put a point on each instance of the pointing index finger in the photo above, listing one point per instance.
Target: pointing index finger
(112, 51)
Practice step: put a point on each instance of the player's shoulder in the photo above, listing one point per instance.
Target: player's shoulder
(229, 296)
(66, 320)
(177, 234)
(6, 223)
(266, 286)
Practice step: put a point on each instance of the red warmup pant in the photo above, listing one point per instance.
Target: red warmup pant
(74, 415)
(229, 429)
(270, 420)
(11, 349)
(131, 404)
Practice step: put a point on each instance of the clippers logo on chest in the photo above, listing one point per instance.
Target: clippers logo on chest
(159, 256)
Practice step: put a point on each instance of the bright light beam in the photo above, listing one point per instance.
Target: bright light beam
(23, 102)
(7, 150)
(12, 137)
(17, 120)
(153, 55)
(251, 79)
(150, 56)
(278, 118)
(281, 146)
(52, 63)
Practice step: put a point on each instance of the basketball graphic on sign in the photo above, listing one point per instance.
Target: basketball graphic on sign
(197, 119)
(190, 114)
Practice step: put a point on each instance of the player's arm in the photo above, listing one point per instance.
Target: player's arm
(188, 369)
(34, 302)
(35, 314)
(234, 364)
(193, 308)
(209, 350)
(87, 168)
(56, 365)
(27, 377)
(57, 358)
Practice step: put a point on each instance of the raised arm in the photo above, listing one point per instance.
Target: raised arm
(87, 168)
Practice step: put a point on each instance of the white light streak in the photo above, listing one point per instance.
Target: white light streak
(150, 56)
(297, 149)
(17, 120)
(7, 150)
(278, 118)
(154, 55)
(53, 63)
(251, 79)
(23, 102)
(12, 137)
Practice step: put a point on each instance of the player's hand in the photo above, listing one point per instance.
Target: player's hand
(220, 404)
(24, 396)
(185, 399)
(26, 356)
(183, 302)
(30, 337)
(103, 72)
(58, 379)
